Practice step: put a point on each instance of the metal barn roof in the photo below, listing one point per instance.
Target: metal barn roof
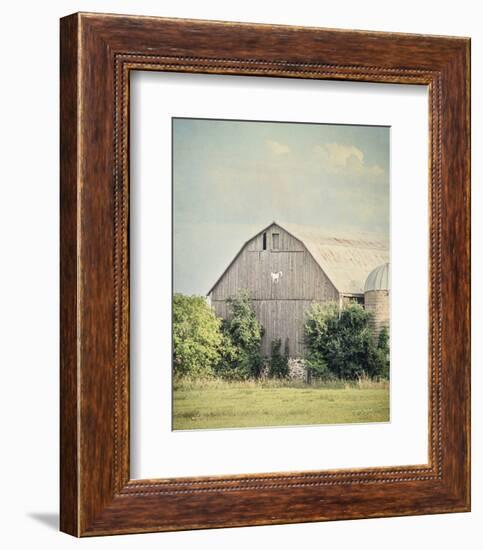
(346, 259)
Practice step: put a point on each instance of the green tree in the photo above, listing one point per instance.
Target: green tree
(229, 358)
(382, 353)
(197, 336)
(341, 343)
(245, 334)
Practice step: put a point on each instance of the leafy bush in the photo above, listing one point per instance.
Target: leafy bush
(279, 362)
(242, 336)
(205, 345)
(227, 366)
(340, 343)
(197, 336)
(382, 352)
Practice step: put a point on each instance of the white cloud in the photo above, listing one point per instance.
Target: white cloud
(340, 155)
(345, 159)
(278, 148)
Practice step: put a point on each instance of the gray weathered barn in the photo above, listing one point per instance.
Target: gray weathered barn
(286, 267)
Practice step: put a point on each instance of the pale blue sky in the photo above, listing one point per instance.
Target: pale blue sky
(232, 178)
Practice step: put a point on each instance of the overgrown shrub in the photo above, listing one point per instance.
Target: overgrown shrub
(382, 352)
(241, 356)
(205, 345)
(278, 362)
(227, 366)
(340, 343)
(197, 337)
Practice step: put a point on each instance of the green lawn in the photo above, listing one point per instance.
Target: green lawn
(250, 404)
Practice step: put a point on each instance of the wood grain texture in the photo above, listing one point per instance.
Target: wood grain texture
(97, 54)
(69, 434)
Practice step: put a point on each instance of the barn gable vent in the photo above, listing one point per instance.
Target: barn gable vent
(275, 241)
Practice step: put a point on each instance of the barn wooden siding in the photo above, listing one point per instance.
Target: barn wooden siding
(279, 306)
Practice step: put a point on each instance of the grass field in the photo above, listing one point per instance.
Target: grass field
(220, 404)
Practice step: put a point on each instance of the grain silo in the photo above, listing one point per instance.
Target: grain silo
(376, 297)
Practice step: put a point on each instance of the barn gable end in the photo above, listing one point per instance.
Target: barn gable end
(252, 269)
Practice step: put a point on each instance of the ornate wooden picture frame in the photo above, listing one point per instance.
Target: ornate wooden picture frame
(98, 52)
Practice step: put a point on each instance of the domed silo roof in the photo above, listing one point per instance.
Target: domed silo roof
(378, 278)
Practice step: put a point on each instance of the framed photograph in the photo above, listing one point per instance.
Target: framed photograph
(265, 274)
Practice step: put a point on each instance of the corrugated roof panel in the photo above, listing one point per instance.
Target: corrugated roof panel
(346, 259)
